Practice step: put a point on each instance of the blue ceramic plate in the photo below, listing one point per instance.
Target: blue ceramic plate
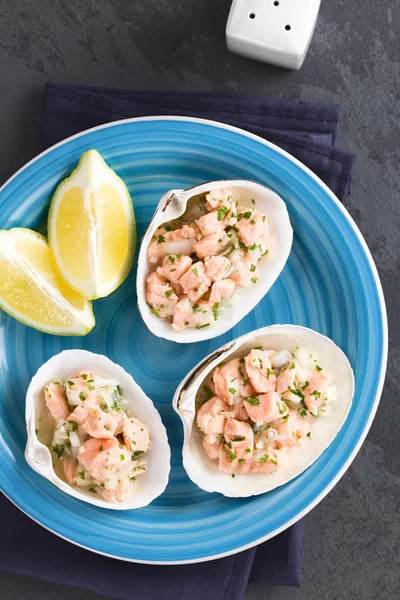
(329, 283)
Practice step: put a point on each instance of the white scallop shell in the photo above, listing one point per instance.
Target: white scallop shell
(149, 485)
(203, 471)
(171, 206)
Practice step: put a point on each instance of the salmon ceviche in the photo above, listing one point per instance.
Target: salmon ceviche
(255, 408)
(99, 445)
(199, 260)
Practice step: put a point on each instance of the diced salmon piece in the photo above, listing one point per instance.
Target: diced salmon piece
(285, 380)
(219, 197)
(212, 415)
(183, 315)
(258, 368)
(263, 466)
(56, 402)
(195, 282)
(211, 245)
(93, 420)
(239, 437)
(217, 267)
(211, 446)
(174, 267)
(119, 494)
(269, 408)
(136, 435)
(251, 225)
(103, 457)
(240, 412)
(245, 463)
(212, 222)
(231, 382)
(179, 241)
(84, 375)
(244, 270)
(70, 468)
(221, 290)
(291, 429)
(160, 295)
(315, 392)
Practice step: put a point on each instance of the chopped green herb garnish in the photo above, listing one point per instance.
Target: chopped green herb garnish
(106, 428)
(81, 474)
(264, 217)
(84, 376)
(247, 215)
(74, 425)
(186, 323)
(120, 391)
(240, 460)
(169, 293)
(222, 212)
(59, 450)
(122, 457)
(253, 201)
(303, 413)
(101, 449)
(195, 307)
(309, 435)
(92, 490)
(318, 368)
(232, 391)
(70, 383)
(238, 439)
(253, 268)
(160, 239)
(254, 280)
(195, 271)
(82, 396)
(293, 365)
(233, 475)
(274, 461)
(248, 450)
(297, 393)
(202, 326)
(306, 384)
(264, 458)
(270, 372)
(231, 454)
(167, 227)
(136, 455)
(252, 400)
(282, 407)
(171, 258)
(252, 222)
(36, 431)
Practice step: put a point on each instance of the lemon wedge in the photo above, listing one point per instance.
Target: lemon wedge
(32, 291)
(92, 228)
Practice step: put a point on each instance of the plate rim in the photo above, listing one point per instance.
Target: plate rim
(374, 271)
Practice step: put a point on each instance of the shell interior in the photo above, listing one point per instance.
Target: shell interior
(172, 205)
(149, 485)
(203, 471)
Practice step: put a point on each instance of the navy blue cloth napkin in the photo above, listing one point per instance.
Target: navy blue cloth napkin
(309, 132)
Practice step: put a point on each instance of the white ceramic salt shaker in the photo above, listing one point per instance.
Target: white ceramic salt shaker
(278, 32)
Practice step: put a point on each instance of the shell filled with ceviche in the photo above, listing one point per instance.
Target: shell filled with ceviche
(260, 410)
(93, 432)
(209, 256)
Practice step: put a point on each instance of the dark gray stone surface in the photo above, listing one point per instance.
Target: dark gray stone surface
(351, 545)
